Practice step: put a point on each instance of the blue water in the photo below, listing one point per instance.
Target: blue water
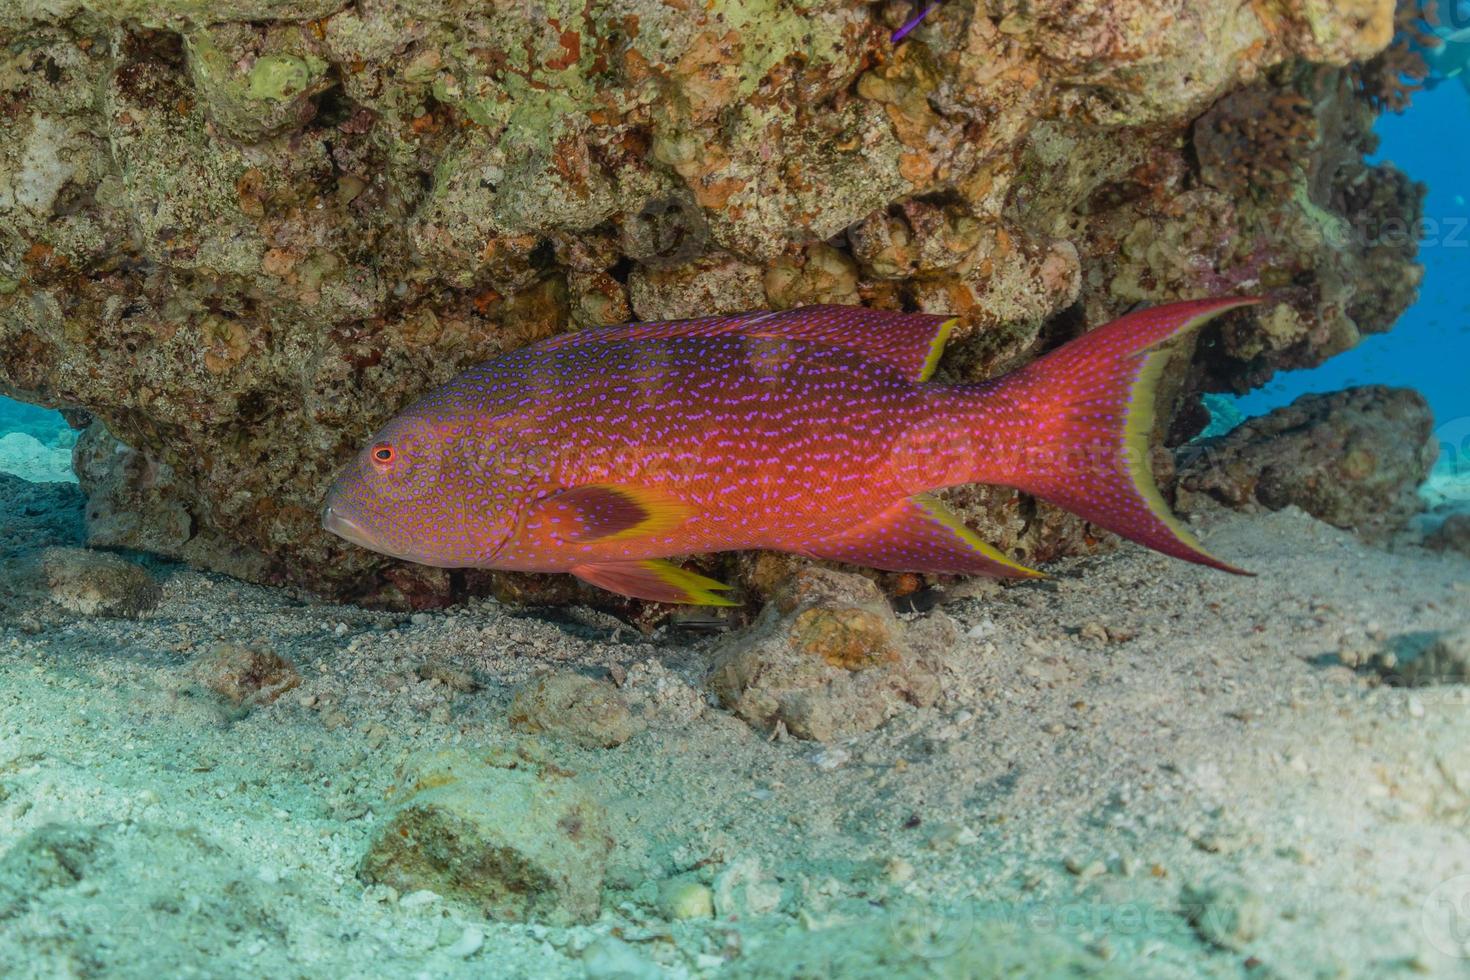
(1429, 348)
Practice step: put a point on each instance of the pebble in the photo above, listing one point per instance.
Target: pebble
(418, 899)
(609, 958)
(1087, 870)
(685, 899)
(584, 710)
(468, 943)
(830, 758)
(981, 629)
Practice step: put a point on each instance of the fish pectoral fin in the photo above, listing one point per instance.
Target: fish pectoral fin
(606, 512)
(920, 534)
(656, 580)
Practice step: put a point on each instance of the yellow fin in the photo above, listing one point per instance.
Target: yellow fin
(921, 534)
(936, 348)
(656, 580)
(609, 512)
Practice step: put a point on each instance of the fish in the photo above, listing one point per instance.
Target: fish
(819, 431)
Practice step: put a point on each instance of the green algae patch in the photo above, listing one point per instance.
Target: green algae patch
(281, 77)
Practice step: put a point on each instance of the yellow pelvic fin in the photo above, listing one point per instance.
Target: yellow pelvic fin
(655, 579)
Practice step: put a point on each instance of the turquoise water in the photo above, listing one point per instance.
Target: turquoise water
(41, 423)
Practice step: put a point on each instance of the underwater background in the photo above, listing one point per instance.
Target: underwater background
(230, 749)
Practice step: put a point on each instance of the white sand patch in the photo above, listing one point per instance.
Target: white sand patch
(30, 459)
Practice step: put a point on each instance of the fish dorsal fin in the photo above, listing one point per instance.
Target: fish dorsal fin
(920, 534)
(603, 512)
(656, 580)
(909, 342)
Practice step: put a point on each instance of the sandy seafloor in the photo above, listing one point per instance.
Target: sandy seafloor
(1067, 808)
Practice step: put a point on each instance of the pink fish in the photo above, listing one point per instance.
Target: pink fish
(816, 431)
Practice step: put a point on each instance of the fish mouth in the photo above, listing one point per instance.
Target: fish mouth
(336, 521)
(344, 527)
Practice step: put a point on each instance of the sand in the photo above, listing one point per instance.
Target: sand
(1137, 768)
(29, 458)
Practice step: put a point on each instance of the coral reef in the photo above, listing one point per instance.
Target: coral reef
(39, 515)
(243, 234)
(1354, 459)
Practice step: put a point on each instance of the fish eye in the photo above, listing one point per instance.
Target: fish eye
(383, 454)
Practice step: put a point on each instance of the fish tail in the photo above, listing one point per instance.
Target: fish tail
(1079, 422)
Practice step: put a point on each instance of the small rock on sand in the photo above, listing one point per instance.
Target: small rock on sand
(684, 898)
(517, 843)
(87, 583)
(245, 676)
(1453, 534)
(825, 658)
(1227, 915)
(580, 709)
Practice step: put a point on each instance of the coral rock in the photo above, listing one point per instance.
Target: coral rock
(517, 844)
(1354, 459)
(591, 713)
(136, 502)
(244, 234)
(244, 676)
(87, 583)
(825, 659)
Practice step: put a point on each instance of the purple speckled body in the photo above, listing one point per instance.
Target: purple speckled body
(813, 431)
